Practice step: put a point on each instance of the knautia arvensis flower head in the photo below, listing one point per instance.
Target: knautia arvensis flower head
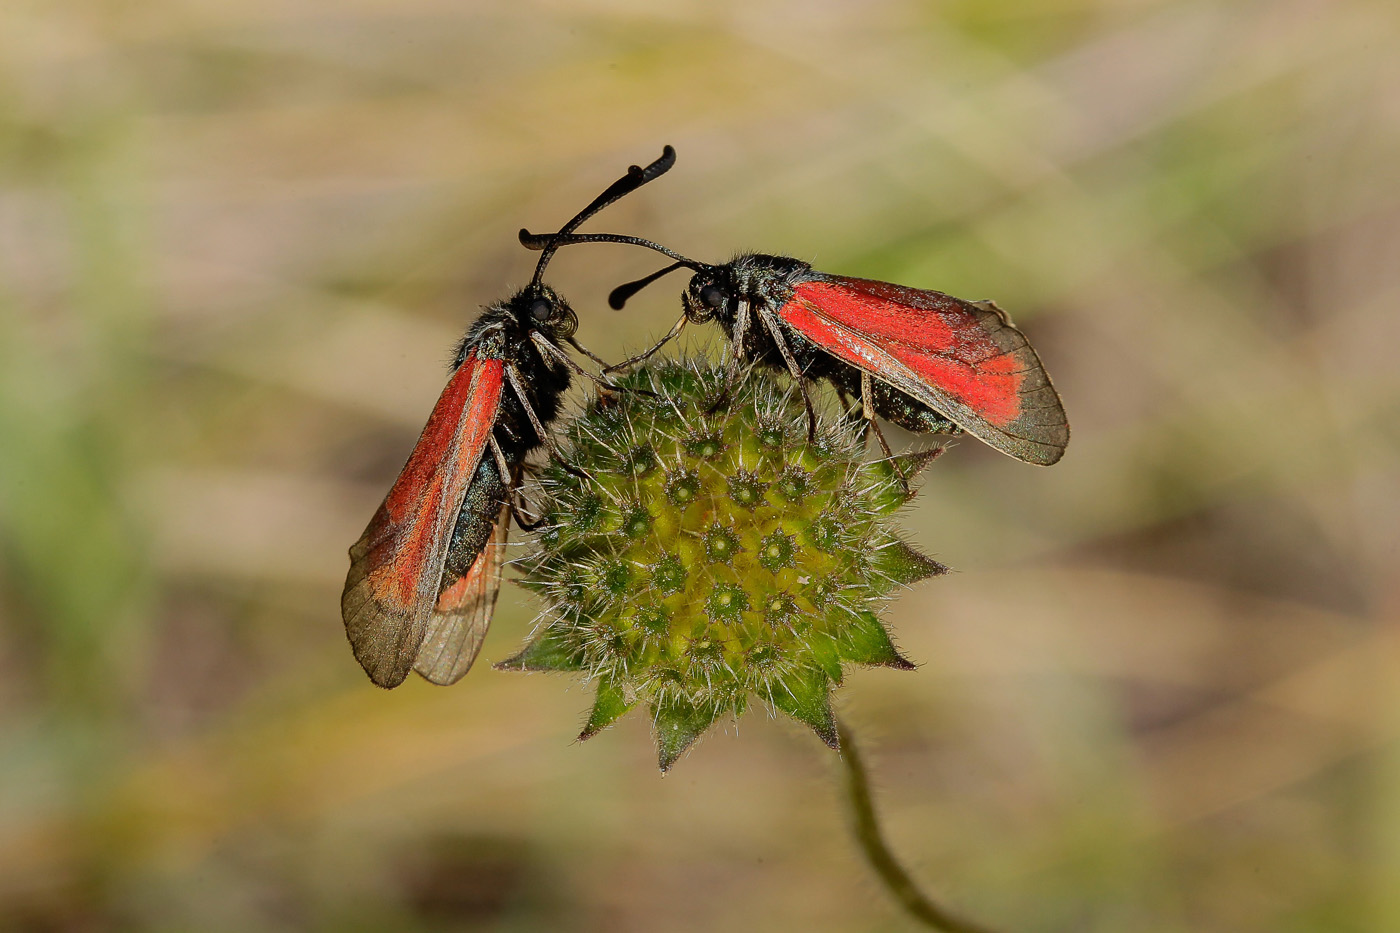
(702, 555)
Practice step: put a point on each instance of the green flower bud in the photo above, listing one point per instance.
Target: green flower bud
(709, 554)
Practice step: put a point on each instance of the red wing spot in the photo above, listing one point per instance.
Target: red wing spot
(941, 339)
(455, 596)
(466, 587)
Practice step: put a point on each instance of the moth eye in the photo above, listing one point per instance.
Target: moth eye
(539, 310)
(711, 295)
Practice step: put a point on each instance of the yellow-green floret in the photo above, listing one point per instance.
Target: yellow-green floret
(699, 554)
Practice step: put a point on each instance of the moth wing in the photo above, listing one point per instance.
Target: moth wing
(462, 613)
(391, 591)
(962, 358)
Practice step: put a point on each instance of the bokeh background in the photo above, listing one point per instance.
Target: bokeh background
(238, 242)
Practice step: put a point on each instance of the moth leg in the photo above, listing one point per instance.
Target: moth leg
(851, 411)
(603, 384)
(732, 362)
(587, 352)
(517, 383)
(513, 496)
(672, 334)
(525, 522)
(502, 464)
(549, 349)
(771, 323)
(867, 410)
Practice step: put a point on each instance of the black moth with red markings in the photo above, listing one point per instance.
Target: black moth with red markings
(926, 361)
(424, 576)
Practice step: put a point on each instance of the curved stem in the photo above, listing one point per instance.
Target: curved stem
(878, 854)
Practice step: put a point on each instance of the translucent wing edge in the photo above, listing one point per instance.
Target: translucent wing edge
(456, 630)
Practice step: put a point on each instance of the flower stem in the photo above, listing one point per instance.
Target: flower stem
(878, 854)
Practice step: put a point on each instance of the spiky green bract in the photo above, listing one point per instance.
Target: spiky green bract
(698, 555)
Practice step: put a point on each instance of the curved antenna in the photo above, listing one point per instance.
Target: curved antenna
(634, 179)
(618, 296)
(552, 241)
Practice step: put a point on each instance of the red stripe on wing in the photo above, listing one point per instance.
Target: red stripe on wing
(396, 566)
(939, 338)
(961, 358)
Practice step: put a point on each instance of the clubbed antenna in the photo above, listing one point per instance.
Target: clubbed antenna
(636, 177)
(618, 296)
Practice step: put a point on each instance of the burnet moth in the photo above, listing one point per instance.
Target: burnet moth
(424, 576)
(926, 361)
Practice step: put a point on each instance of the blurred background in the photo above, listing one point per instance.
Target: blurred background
(239, 240)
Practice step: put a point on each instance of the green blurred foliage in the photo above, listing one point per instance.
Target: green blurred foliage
(237, 242)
